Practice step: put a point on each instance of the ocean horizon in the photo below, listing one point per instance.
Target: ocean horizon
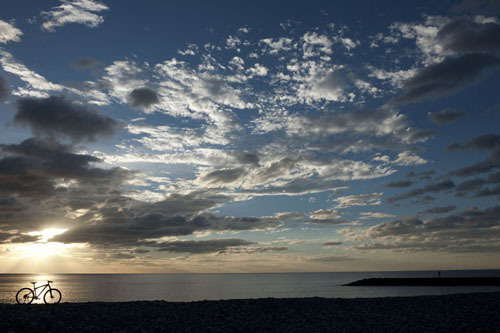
(186, 287)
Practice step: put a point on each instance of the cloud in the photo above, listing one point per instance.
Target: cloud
(440, 210)
(4, 89)
(141, 223)
(86, 63)
(465, 35)
(359, 200)
(482, 142)
(407, 158)
(57, 116)
(325, 214)
(9, 33)
(38, 84)
(447, 76)
(400, 183)
(74, 11)
(46, 184)
(374, 215)
(331, 259)
(33, 166)
(487, 165)
(332, 243)
(204, 246)
(327, 217)
(143, 97)
(224, 176)
(470, 230)
(444, 185)
(445, 117)
(486, 7)
(470, 185)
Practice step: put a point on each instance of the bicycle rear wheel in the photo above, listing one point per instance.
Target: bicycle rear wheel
(25, 296)
(53, 296)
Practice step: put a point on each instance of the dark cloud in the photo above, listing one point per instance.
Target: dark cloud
(86, 63)
(329, 221)
(471, 230)
(426, 175)
(224, 176)
(276, 169)
(332, 243)
(445, 117)
(465, 35)
(31, 177)
(203, 246)
(440, 210)
(127, 222)
(4, 89)
(24, 239)
(424, 200)
(35, 159)
(121, 256)
(331, 259)
(447, 76)
(143, 97)
(488, 191)
(400, 183)
(301, 185)
(247, 158)
(494, 178)
(444, 185)
(487, 165)
(470, 185)
(482, 142)
(486, 7)
(57, 116)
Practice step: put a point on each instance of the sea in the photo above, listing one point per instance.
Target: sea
(196, 287)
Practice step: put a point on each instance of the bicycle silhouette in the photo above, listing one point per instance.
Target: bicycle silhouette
(27, 295)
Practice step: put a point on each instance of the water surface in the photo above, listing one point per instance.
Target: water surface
(194, 287)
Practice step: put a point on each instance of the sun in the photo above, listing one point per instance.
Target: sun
(43, 247)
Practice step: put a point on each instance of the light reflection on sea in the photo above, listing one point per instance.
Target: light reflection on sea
(193, 287)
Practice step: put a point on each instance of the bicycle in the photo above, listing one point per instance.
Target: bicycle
(27, 295)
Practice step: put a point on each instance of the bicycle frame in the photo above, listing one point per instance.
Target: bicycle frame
(41, 292)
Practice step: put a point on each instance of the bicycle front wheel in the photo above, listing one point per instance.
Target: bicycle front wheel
(25, 296)
(53, 296)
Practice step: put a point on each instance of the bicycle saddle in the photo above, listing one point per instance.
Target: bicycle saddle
(50, 282)
(34, 282)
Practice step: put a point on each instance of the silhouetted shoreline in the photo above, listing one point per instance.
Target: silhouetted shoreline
(428, 282)
(453, 313)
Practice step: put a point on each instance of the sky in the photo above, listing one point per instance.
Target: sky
(249, 136)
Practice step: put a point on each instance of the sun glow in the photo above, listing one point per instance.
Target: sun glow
(46, 234)
(43, 247)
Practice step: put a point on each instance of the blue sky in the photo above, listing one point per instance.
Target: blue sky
(249, 137)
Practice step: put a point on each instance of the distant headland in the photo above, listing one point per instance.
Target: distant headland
(428, 282)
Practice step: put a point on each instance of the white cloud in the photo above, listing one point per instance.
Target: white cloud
(192, 49)
(371, 199)
(374, 215)
(407, 158)
(315, 43)
(76, 11)
(37, 85)
(9, 33)
(282, 44)
(325, 214)
(232, 42)
(257, 70)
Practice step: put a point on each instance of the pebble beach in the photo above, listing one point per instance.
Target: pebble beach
(479, 312)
